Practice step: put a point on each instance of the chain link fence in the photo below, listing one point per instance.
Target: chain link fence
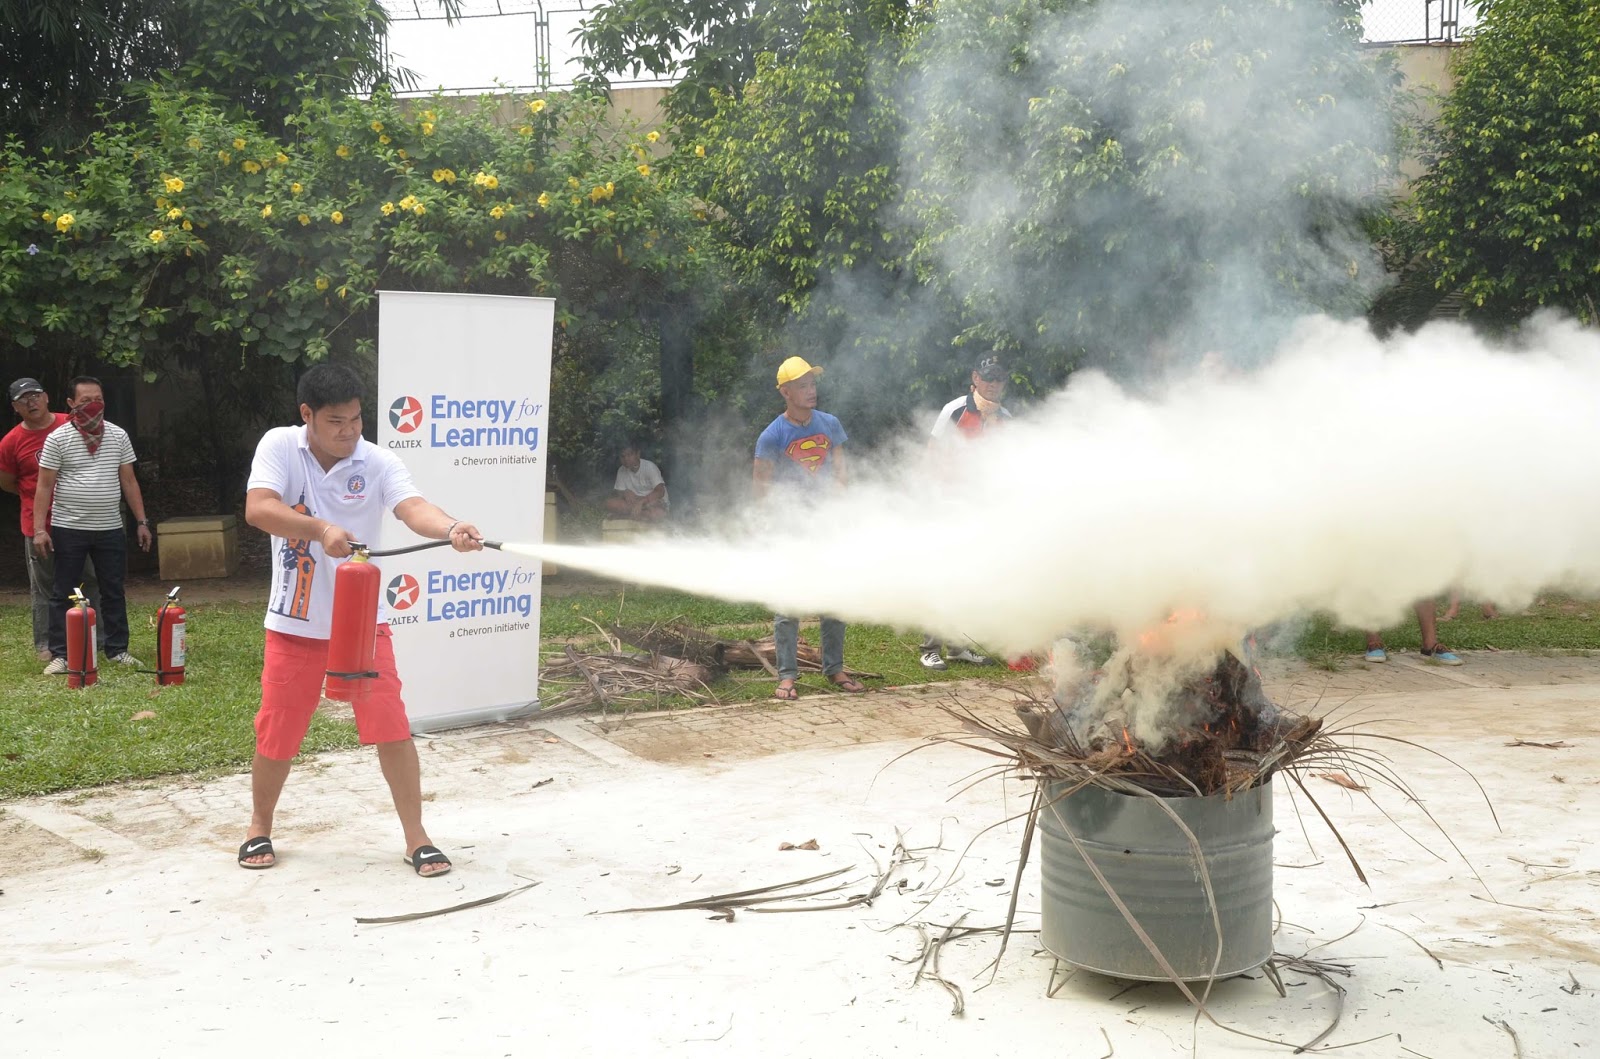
(1418, 21)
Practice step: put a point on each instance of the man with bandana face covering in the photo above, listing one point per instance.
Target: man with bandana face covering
(85, 471)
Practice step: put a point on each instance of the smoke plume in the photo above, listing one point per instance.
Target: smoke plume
(1348, 475)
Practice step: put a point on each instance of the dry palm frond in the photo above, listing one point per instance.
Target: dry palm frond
(577, 681)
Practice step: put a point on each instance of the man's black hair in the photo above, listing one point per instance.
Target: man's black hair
(90, 380)
(326, 384)
(631, 445)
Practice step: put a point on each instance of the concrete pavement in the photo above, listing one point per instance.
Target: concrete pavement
(128, 926)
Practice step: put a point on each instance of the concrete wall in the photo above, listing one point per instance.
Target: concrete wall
(1429, 70)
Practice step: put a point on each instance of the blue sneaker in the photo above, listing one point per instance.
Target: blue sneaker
(1377, 654)
(1443, 655)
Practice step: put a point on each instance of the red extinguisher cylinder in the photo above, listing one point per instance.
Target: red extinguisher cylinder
(81, 649)
(353, 633)
(172, 641)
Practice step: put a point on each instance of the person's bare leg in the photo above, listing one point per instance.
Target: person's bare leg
(1489, 611)
(1425, 618)
(1374, 641)
(267, 778)
(1453, 608)
(404, 775)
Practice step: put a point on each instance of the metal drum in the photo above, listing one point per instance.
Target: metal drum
(1148, 861)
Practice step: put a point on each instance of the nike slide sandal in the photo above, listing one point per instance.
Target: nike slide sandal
(426, 855)
(260, 846)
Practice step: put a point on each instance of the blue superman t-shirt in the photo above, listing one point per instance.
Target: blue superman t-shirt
(801, 455)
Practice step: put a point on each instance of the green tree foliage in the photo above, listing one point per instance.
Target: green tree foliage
(1098, 180)
(198, 237)
(63, 61)
(804, 151)
(1510, 211)
(264, 55)
(704, 45)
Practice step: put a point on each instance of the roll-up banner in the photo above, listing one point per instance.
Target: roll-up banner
(463, 400)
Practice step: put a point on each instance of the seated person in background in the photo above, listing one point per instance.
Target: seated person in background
(640, 492)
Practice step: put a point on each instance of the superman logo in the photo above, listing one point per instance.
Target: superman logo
(810, 452)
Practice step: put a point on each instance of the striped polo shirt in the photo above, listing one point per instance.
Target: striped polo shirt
(88, 488)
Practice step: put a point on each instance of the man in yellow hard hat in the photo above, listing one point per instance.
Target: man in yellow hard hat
(802, 453)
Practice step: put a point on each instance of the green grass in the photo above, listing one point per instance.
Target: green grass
(53, 738)
(1555, 624)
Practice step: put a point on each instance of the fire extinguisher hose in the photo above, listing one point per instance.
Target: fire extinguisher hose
(358, 546)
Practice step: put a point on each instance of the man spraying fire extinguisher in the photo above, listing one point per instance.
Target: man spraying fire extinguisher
(318, 489)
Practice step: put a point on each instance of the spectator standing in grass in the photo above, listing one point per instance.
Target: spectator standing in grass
(798, 455)
(19, 473)
(968, 417)
(85, 473)
(1431, 647)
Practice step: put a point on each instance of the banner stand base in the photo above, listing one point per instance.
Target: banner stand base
(439, 722)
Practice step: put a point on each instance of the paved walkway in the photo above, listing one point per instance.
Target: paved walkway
(335, 787)
(129, 926)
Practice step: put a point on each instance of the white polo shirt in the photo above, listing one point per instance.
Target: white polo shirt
(354, 495)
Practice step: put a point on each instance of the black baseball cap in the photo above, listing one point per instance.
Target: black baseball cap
(990, 369)
(22, 387)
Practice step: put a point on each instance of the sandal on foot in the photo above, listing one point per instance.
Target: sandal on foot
(260, 846)
(786, 693)
(423, 856)
(849, 685)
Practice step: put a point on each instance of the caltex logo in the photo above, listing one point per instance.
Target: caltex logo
(403, 592)
(405, 415)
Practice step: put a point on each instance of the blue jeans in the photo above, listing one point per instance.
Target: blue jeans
(42, 582)
(108, 549)
(786, 638)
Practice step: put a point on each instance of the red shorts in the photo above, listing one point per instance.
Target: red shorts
(291, 687)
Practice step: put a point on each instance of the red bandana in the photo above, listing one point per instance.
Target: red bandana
(89, 419)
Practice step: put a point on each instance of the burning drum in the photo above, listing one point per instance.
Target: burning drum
(1149, 863)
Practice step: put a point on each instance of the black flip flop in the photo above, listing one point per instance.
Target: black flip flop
(261, 845)
(422, 856)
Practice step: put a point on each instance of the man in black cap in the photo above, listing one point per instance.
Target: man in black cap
(19, 473)
(968, 416)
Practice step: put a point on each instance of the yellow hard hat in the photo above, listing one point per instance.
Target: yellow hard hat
(794, 368)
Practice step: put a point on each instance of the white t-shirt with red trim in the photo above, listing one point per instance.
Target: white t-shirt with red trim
(355, 494)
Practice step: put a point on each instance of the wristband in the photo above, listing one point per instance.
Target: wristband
(452, 529)
(141, 522)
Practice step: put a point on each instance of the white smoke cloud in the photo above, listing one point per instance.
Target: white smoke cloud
(1349, 475)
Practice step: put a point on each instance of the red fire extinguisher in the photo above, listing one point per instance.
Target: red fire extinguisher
(172, 640)
(81, 668)
(353, 635)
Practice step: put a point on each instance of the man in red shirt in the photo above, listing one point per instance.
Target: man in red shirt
(19, 473)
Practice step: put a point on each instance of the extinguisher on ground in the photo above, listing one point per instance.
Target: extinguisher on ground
(172, 641)
(353, 631)
(81, 668)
